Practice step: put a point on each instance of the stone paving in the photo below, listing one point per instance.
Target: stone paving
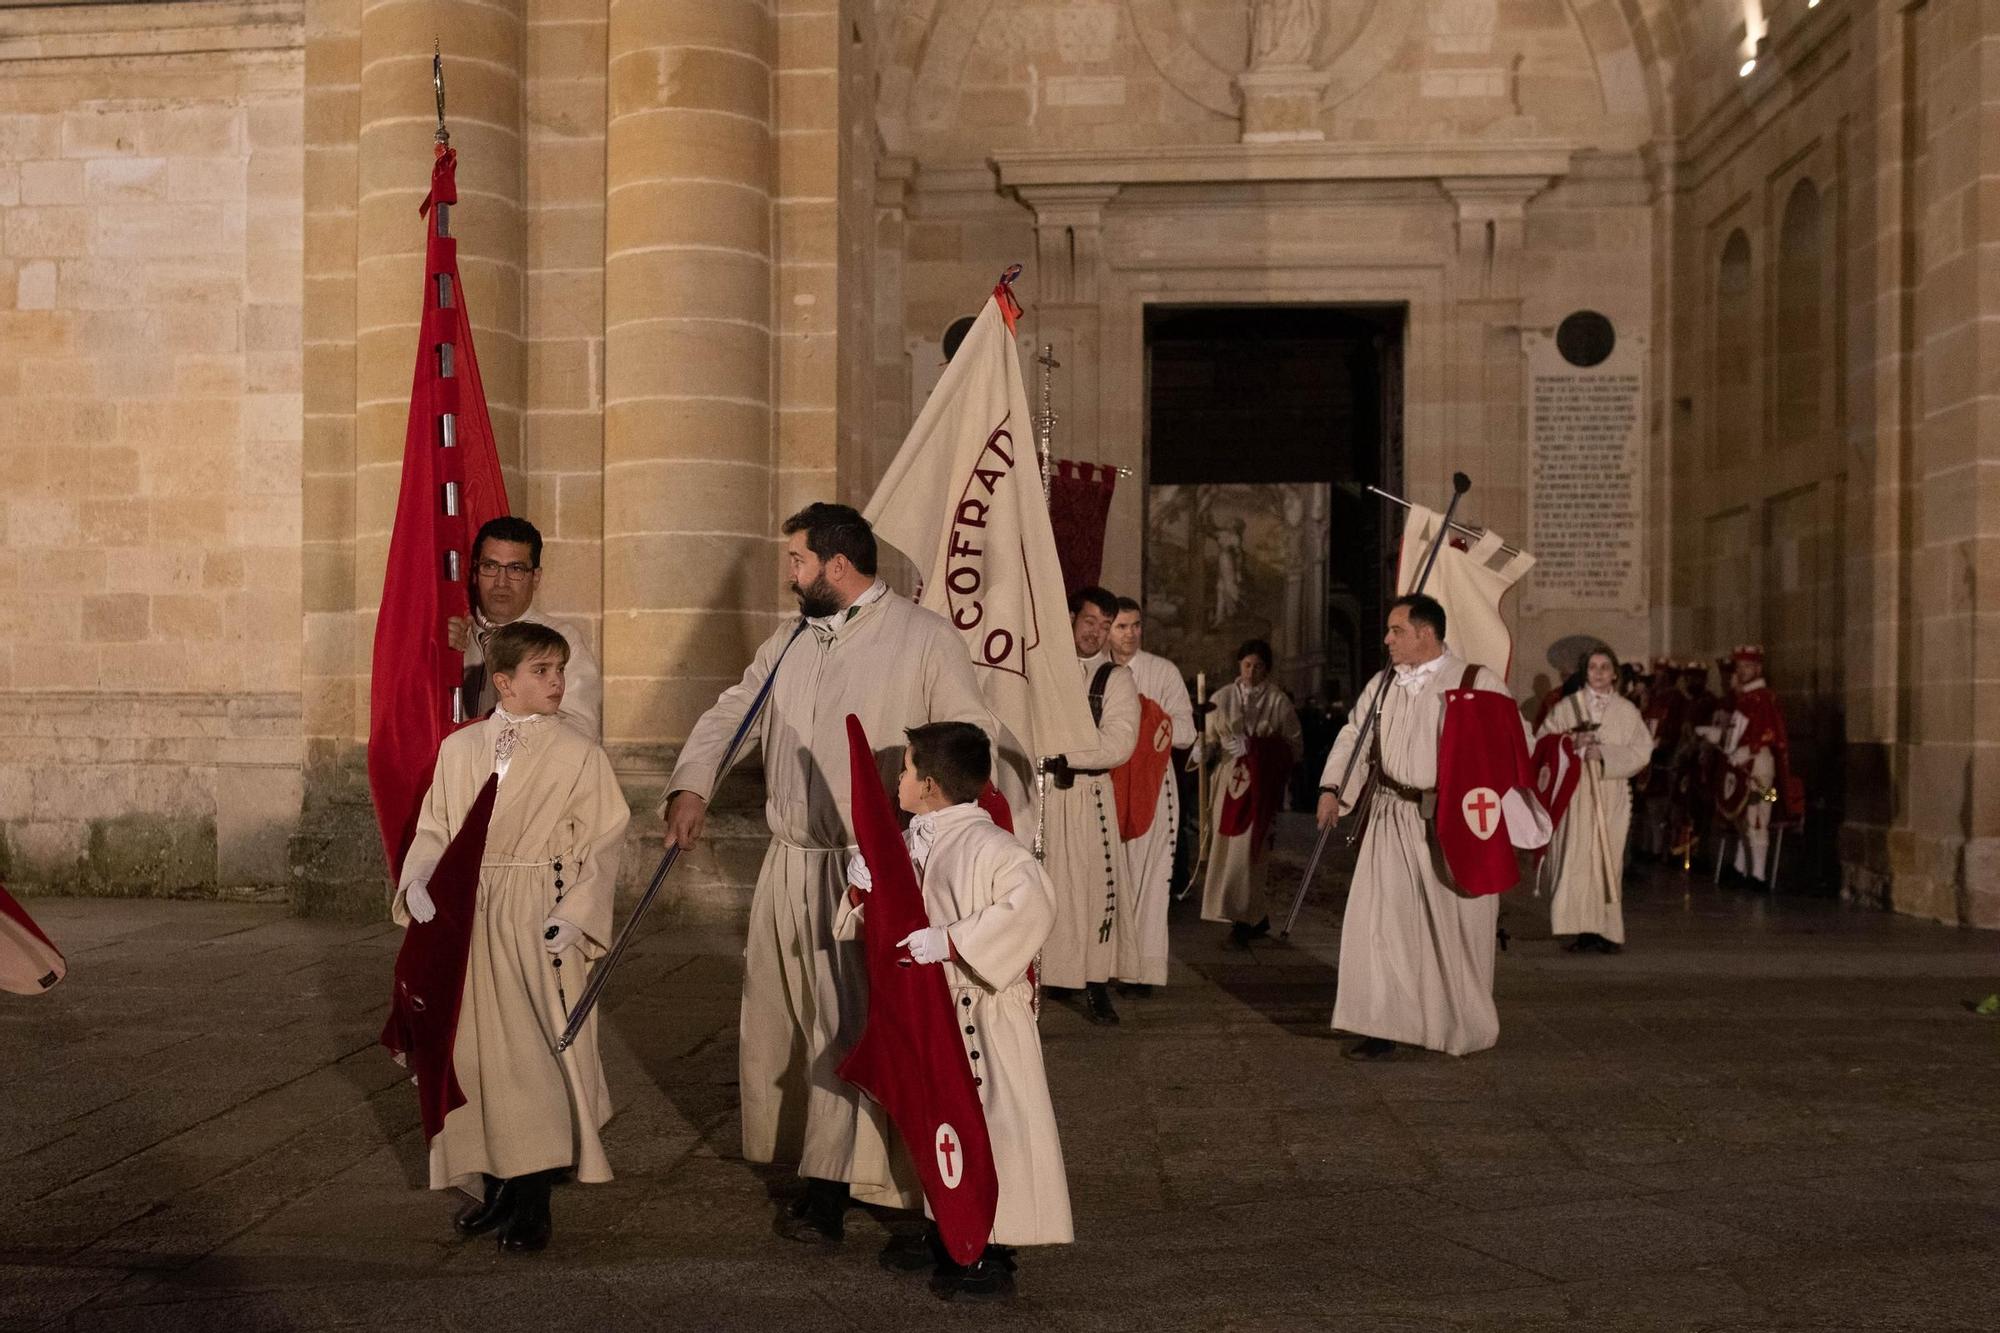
(1763, 1115)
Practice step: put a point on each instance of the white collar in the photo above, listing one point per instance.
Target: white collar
(1412, 679)
(925, 828)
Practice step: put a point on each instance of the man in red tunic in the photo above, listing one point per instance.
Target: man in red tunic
(1753, 743)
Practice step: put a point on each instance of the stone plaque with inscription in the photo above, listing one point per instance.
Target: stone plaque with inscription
(1586, 468)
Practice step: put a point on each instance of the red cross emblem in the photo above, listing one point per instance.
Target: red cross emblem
(1239, 780)
(1481, 808)
(950, 1160)
(1163, 736)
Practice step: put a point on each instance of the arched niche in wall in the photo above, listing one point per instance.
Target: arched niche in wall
(1799, 350)
(1736, 414)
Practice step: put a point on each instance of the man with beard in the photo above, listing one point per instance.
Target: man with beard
(895, 666)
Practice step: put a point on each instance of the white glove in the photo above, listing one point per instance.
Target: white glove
(417, 899)
(1235, 746)
(929, 945)
(558, 935)
(857, 872)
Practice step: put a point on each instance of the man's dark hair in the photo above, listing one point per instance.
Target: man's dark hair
(511, 645)
(1424, 610)
(1127, 604)
(833, 530)
(1256, 648)
(1097, 597)
(955, 755)
(510, 528)
(955, 335)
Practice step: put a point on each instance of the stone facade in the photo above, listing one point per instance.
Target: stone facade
(709, 251)
(151, 196)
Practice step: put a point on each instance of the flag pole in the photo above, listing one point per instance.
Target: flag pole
(1460, 484)
(447, 427)
(1045, 427)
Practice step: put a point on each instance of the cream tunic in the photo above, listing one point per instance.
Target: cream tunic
(1589, 855)
(1230, 891)
(1416, 956)
(895, 666)
(1149, 859)
(1084, 854)
(558, 816)
(997, 906)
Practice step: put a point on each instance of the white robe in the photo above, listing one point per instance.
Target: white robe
(1588, 860)
(1149, 858)
(583, 683)
(998, 906)
(1083, 852)
(1416, 955)
(558, 818)
(1231, 891)
(895, 666)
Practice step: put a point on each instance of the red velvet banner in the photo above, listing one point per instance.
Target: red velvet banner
(416, 670)
(430, 970)
(1079, 507)
(910, 1057)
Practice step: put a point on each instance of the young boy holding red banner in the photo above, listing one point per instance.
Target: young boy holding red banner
(991, 907)
(532, 811)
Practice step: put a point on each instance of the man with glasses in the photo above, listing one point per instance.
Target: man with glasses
(506, 573)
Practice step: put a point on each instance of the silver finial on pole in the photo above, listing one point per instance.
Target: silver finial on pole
(1045, 420)
(437, 86)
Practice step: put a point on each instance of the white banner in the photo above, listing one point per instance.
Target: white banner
(1469, 583)
(963, 501)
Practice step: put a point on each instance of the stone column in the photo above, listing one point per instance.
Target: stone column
(1485, 414)
(1067, 284)
(688, 522)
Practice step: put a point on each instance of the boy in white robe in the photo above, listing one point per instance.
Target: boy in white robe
(991, 908)
(546, 881)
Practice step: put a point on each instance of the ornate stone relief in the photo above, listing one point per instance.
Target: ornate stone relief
(1295, 57)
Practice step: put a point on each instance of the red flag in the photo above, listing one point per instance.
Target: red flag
(1079, 508)
(1253, 791)
(430, 970)
(1135, 784)
(29, 962)
(447, 451)
(910, 1057)
(1556, 774)
(1486, 804)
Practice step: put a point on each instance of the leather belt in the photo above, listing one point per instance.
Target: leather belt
(1414, 795)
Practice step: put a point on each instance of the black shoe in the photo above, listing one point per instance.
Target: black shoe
(819, 1216)
(1581, 944)
(1371, 1048)
(528, 1226)
(1261, 929)
(1238, 938)
(1603, 945)
(1139, 989)
(1097, 1005)
(913, 1251)
(489, 1211)
(991, 1278)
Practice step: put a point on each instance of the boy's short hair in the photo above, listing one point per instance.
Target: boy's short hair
(1128, 604)
(955, 755)
(511, 645)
